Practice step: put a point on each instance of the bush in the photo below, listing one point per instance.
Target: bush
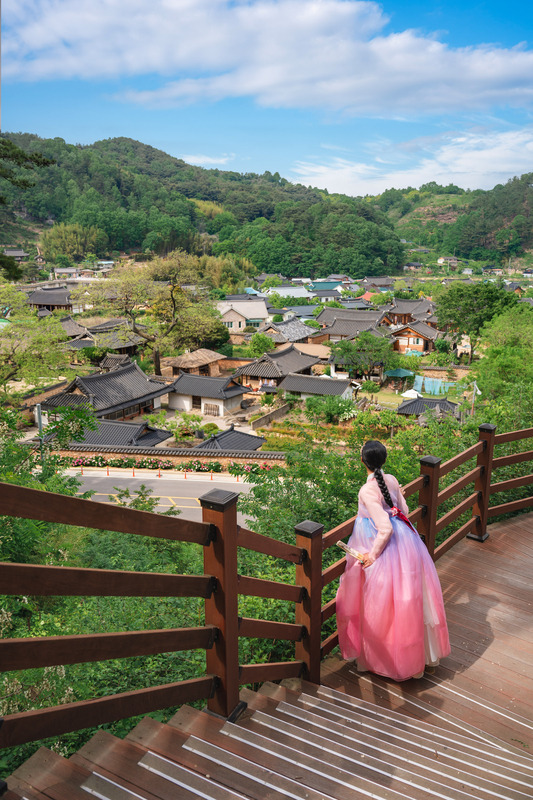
(369, 387)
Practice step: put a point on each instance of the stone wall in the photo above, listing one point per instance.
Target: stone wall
(266, 419)
(178, 457)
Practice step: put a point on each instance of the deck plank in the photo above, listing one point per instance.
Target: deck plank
(487, 680)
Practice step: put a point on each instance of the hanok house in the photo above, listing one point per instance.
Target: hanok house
(16, 253)
(200, 362)
(115, 433)
(415, 337)
(232, 440)
(305, 386)
(420, 406)
(123, 393)
(400, 312)
(292, 330)
(211, 396)
(267, 372)
(52, 299)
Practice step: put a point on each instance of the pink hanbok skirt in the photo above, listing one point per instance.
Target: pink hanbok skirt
(390, 616)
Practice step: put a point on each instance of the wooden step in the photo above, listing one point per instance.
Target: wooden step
(281, 759)
(48, 776)
(438, 762)
(120, 763)
(226, 768)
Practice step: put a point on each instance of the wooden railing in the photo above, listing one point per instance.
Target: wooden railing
(221, 585)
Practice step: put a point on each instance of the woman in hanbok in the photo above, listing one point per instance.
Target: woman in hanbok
(390, 611)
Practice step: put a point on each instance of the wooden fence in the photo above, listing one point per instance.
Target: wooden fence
(220, 585)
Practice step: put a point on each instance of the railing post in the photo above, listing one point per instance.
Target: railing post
(309, 611)
(221, 609)
(430, 469)
(487, 433)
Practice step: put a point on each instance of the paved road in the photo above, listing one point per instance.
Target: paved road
(171, 488)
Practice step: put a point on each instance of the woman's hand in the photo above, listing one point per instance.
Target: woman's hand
(367, 561)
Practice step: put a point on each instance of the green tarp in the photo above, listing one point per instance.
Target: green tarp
(398, 373)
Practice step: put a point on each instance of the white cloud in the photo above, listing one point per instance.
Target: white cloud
(208, 161)
(332, 55)
(471, 160)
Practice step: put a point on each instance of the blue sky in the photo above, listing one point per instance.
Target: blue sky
(351, 96)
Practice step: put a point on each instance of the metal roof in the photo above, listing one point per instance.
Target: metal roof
(312, 384)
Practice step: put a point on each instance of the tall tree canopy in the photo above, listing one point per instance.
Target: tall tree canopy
(165, 303)
(464, 308)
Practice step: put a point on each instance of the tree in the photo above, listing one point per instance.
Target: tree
(260, 343)
(466, 308)
(177, 311)
(507, 357)
(72, 241)
(10, 268)
(364, 353)
(13, 157)
(32, 349)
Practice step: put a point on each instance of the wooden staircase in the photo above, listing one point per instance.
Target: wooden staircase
(298, 740)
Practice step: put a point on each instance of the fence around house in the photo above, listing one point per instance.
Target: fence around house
(220, 585)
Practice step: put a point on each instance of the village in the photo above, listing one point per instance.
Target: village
(329, 341)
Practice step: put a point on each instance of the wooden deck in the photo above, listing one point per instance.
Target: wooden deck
(487, 681)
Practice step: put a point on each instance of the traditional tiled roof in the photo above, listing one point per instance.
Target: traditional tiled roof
(415, 306)
(80, 343)
(312, 384)
(326, 293)
(198, 358)
(132, 434)
(114, 360)
(277, 364)
(115, 334)
(348, 328)
(232, 440)
(377, 280)
(66, 399)
(203, 386)
(112, 391)
(50, 296)
(71, 327)
(292, 330)
(303, 311)
(422, 328)
(370, 317)
(420, 405)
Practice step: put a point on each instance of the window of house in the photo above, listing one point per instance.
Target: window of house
(196, 401)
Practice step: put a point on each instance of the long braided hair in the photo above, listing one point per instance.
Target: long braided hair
(374, 455)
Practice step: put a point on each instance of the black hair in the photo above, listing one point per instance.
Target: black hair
(374, 455)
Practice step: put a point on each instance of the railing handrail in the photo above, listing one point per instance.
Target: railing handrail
(220, 586)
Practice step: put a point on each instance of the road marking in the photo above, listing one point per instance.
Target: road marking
(155, 496)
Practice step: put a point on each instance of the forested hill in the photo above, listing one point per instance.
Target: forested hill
(494, 224)
(144, 199)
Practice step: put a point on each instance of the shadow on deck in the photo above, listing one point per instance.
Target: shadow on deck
(487, 680)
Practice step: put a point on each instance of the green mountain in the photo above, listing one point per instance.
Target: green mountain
(493, 225)
(143, 199)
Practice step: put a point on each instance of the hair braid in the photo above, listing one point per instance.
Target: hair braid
(380, 480)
